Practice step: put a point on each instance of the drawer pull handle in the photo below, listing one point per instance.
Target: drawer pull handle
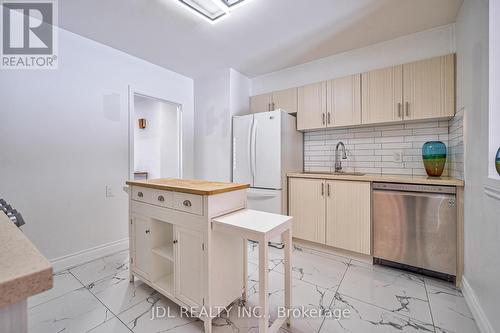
(140, 194)
(175, 241)
(148, 231)
(187, 203)
(161, 198)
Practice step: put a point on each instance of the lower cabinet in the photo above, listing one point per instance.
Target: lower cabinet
(332, 212)
(188, 266)
(307, 206)
(171, 257)
(348, 212)
(141, 229)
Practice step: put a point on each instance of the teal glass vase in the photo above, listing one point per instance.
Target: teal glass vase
(434, 157)
(497, 161)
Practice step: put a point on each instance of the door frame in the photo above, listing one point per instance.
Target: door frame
(132, 92)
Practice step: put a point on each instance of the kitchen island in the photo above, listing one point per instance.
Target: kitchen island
(174, 250)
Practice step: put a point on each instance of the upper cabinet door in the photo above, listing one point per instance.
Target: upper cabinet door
(344, 101)
(382, 99)
(261, 103)
(311, 111)
(286, 100)
(429, 88)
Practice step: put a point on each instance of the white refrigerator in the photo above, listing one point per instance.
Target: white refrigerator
(266, 146)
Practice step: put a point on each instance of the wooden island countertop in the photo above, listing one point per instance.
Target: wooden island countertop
(193, 186)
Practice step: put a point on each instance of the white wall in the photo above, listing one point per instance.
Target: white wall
(156, 147)
(218, 96)
(147, 141)
(65, 135)
(169, 155)
(482, 212)
(426, 44)
(494, 82)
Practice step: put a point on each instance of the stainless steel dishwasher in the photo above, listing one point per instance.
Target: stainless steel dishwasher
(415, 225)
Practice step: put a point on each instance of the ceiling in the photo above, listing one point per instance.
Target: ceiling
(260, 37)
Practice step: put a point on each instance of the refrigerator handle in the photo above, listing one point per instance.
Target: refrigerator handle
(253, 140)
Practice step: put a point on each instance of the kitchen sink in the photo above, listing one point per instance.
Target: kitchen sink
(347, 173)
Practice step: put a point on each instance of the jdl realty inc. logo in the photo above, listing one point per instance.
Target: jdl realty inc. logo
(29, 34)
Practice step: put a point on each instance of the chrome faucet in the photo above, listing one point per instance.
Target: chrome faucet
(338, 163)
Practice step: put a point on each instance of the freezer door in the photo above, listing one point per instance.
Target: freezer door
(242, 153)
(265, 200)
(267, 141)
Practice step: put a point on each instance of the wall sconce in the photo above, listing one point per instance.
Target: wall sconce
(142, 123)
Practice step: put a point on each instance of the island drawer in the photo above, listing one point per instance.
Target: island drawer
(141, 194)
(190, 203)
(162, 198)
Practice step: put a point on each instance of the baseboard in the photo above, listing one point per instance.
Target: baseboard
(482, 321)
(84, 256)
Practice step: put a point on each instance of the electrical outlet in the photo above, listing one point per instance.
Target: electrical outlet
(398, 157)
(109, 192)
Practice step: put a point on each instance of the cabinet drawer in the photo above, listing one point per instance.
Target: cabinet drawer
(162, 198)
(190, 203)
(141, 194)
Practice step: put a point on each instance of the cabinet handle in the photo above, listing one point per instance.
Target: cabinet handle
(187, 203)
(272, 106)
(399, 110)
(140, 194)
(161, 198)
(175, 241)
(328, 189)
(323, 118)
(328, 118)
(407, 107)
(148, 231)
(322, 189)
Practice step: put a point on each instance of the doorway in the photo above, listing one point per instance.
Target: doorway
(156, 138)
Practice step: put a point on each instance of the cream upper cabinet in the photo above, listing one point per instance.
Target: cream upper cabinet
(311, 106)
(382, 100)
(429, 88)
(348, 212)
(285, 99)
(307, 206)
(261, 103)
(282, 99)
(344, 101)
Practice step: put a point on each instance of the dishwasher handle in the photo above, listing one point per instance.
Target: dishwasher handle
(414, 188)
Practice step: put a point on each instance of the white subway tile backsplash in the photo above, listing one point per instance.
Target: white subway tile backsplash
(373, 149)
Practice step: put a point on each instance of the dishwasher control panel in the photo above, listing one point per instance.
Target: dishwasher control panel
(414, 188)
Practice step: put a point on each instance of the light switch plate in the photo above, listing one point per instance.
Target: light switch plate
(398, 157)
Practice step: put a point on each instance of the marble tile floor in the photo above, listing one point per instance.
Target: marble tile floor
(97, 297)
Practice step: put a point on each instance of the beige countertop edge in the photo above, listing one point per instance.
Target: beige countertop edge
(423, 180)
(24, 270)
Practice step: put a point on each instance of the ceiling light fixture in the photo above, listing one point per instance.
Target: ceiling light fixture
(211, 11)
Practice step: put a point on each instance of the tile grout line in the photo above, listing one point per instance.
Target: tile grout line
(66, 293)
(430, 307)
(102, 304)
(335, 294)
